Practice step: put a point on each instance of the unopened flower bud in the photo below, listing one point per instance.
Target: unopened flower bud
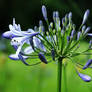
(40, 23)
(70, 15)
(87, 30)
(90, 44)
(78, 35)
(63, 21)
(72, 33)
(85, 16)
(57, 14)
(68, 39)
(66, 17)
(44, 12)
(42, 58)
(89, 62)
(54, 15)
(35, 28)
(83, 28)
(51, 25)
(53, 54)
(84, 77)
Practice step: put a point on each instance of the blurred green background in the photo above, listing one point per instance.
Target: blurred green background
(14, 75)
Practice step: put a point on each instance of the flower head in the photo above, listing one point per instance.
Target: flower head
(58, 41)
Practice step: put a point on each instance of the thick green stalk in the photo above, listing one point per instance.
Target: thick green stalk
(59, 78)
(64, 77)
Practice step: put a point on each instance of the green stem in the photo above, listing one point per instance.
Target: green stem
(64, 77)
(59, 74)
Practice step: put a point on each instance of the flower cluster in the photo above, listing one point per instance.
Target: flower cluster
(61, 39)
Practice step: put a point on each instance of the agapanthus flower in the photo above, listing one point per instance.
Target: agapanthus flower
(19, 38)
(56, 41)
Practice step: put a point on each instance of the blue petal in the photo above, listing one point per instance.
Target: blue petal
(7, 34)
(31, 43)
(14, 57)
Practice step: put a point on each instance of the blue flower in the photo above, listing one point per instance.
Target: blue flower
(18, 37)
